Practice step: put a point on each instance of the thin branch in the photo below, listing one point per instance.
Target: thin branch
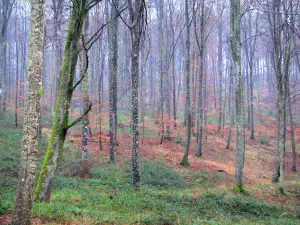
(255, 35)
(79, 118)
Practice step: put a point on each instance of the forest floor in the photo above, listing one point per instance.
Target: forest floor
(100, 193)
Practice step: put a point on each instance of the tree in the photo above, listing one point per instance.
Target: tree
(220, 59)
(201, 45)
(184, 161)
(282, 40)
(17, 77)
(136, 14)
(6, 7)
(250, 47)
(58, 14)
(113, 69)
(161, 46)
(235, 44)
(32, 111)
(85, 91)
(66, 89)
(230, 98)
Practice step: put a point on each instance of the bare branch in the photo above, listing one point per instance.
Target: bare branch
(79, 118)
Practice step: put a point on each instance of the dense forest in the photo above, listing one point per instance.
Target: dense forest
(149, 112)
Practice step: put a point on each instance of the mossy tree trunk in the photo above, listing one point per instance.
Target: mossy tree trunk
(31, 120)
(61, 116)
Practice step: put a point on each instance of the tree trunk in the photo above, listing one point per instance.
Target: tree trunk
(100, 82)
(136, 14)
(184, 161)
(61, 116)
(113, 69)
(230, 98)
(160, 15)
(17, 78)
(4, 77)
(235, 22)
(294, 168)
(201, 88)
(220, 68)
(85, 94)
(32, 111)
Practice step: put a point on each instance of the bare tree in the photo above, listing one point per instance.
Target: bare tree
(136, 27)
(85, 90)
(235, 35)
(6, 7)
(184, 161)
(113, 69)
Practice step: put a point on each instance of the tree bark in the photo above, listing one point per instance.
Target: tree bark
(31, 122)
(230, 98)
(201, 45)
(113, 69)
(220, 65)
(85, 93)
(61, 116)
(235, 33)
(136, 15)
(184, 161)
(294, 163)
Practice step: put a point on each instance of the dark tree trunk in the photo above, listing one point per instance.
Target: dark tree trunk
(136, 15)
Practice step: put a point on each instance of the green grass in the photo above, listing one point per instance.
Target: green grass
(109, 198)
(167, 196)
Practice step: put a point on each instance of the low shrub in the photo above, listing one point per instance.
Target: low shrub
(264, 140)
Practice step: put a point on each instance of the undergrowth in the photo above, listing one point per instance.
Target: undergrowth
(106, 196)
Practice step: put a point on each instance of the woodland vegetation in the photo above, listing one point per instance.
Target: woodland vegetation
(149, 112)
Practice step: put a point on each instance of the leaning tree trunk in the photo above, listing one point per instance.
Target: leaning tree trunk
(235, 23)
(61, 116)
(31, 119)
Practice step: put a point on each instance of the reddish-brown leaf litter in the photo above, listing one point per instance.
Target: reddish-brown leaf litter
(215, 158)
